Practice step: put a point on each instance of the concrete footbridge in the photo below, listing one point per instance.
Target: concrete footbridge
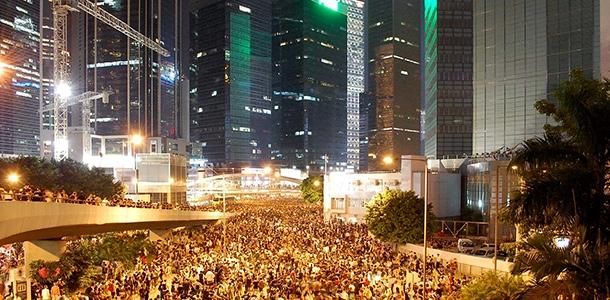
(41, 226)
(29, 221)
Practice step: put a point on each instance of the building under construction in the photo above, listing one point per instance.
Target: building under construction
(148, 90)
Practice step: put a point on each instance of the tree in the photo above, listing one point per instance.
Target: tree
(494, 286)
(79, 265)
(312, 189)
(66, 174)
(564, 191)
(398, 217)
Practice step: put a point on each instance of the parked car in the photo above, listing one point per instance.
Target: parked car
(465, 246)
(488, 250)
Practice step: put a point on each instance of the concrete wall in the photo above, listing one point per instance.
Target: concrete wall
(467, 264)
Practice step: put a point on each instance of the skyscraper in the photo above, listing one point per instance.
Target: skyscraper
(447, 69)
(310, 84)
(20, 77)
(148, 90)
(394, 79)
(354, 10)
(231, 87)
(522, 51)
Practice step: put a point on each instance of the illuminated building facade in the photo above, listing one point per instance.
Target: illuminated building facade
(231, 81)
(394, 79)
(447, 69)
(310, 47)
(149, 91)
(46, 70)
(354, 9)
(522, 51)
(19, 77)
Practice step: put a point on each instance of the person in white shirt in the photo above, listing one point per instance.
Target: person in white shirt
(46, 294)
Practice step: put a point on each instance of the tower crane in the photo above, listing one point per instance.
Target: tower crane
(85, 100)
(61, 55)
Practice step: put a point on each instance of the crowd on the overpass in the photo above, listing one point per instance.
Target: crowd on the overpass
(279, 250)
(37, 195)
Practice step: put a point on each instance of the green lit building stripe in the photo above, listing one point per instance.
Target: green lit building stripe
(430, 75)
(332, 4)
(239, 59)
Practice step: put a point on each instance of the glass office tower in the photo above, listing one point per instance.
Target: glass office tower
(310, 84)
(522, 51)
(20, 77)
(394, 80)
(354, 9)
(231, 82)
(447, 69)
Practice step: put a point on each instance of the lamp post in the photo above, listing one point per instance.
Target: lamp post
(136, 140)
(224, 213)
(425, 224)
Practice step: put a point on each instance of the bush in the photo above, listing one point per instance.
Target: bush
(494, 286)
(80, 264)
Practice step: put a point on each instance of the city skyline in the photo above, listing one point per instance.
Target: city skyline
(423, 91)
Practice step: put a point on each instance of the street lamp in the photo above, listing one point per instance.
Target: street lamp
(13, 178)
(316, 183)
(425, 223)
(388, 160)
(136, 140)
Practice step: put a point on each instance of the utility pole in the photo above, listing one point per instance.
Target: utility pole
(425, 223)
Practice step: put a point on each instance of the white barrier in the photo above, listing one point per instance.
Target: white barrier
(467, 264)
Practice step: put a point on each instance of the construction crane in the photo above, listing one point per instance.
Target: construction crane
(85, 100)
(61, 56)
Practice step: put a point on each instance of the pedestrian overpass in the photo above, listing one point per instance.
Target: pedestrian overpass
(29, 221)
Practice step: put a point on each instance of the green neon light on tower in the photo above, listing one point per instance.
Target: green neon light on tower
(332, 4)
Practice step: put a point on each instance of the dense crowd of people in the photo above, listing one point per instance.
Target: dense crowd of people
(279, 250)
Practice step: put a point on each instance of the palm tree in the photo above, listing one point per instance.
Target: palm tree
(565, 190)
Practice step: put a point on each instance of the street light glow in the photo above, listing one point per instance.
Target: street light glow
(137, 139)
(13, 178)
(316, 183)
(388, 160)
(514, 168)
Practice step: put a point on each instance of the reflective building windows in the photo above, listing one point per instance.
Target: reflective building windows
(309, 85)
(231, 81)
(19, 77)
